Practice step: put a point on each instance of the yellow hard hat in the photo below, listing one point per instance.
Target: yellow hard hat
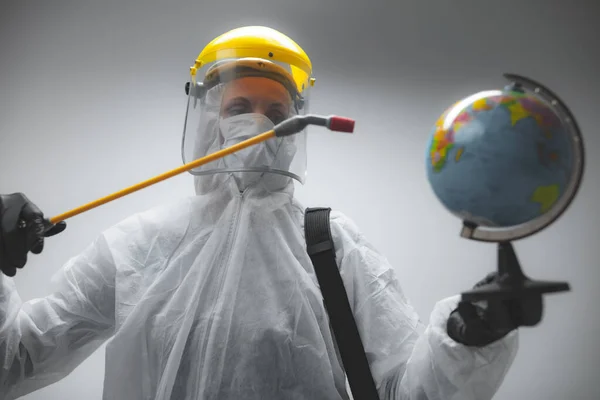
(259, 42)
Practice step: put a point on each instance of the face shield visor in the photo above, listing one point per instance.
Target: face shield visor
(234, 99)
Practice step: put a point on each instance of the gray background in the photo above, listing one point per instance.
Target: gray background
(91, 101)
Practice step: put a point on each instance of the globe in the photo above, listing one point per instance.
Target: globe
(500, 158)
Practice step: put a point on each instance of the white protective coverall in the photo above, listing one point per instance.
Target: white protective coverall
(215, 297)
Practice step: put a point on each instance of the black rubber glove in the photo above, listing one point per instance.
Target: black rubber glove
(22, 230)
(482, 323)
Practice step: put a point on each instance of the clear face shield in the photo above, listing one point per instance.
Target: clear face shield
(235, 99)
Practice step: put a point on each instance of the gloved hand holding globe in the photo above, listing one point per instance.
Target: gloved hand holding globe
(508, 163)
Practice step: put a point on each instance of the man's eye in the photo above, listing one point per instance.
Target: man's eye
(237, 110)
(276, 117)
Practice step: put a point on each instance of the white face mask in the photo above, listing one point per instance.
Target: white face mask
(238, 128)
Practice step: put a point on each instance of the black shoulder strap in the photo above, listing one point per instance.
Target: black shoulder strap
(322, 253)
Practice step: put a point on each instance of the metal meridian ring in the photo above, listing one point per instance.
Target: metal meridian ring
(486, 234)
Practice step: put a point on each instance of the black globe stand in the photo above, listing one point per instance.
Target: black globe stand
(513, 284)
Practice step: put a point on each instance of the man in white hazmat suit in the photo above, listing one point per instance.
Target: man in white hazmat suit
(215, 296)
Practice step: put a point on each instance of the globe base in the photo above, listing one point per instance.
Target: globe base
(512, 283)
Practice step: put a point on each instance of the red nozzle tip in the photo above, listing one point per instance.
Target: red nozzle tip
(341, 124)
